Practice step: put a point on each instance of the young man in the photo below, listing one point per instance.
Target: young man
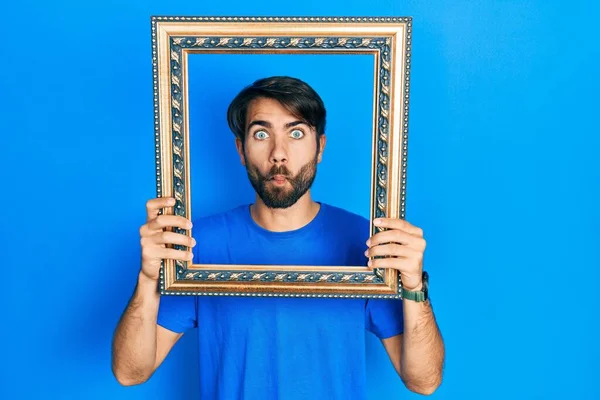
(280, 348)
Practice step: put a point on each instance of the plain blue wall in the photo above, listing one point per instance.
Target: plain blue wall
(503, 177)
(344, 82)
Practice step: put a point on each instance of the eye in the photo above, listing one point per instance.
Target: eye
(297, 134)
(261, 135)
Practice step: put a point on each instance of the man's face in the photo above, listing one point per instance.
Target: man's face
(280, 153)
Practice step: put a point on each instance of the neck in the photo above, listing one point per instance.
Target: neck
(288, 219)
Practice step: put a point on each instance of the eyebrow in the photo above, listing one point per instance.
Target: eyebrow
(267, 124)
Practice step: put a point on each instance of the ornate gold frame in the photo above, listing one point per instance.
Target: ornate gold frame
(388, 39)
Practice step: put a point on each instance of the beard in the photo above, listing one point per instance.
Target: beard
(284, 196)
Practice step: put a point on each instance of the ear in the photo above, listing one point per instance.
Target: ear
(240, 149)
(322, 142)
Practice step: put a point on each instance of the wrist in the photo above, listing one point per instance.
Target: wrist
(413, 287)
(145, 283)
(416, 290)
(413, 283)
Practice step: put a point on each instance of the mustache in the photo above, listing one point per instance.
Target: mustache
(278, 170)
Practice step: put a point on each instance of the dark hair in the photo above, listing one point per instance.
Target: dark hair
(295, 95)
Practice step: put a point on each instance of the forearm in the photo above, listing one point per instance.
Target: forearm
(134, 344)
(422, 348)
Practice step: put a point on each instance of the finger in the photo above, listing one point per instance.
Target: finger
(172, 254)
(154, 206)
(168, 254)
(393, 235)
(390, 250)
(394, 263)
(394, 223)
(173, 239)
(164, 221)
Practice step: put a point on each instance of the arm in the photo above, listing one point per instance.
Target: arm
(417, 354)
(139, 344)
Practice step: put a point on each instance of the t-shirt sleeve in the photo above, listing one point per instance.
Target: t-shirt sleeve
(384, 317)
(177, 313)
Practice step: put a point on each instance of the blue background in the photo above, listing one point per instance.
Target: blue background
(219, 181)
(503, 178)
(344, 82)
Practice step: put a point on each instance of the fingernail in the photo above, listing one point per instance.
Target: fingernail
(370, 263)
(171, 202)
(367, 253)
(369, 242)
(377, 221)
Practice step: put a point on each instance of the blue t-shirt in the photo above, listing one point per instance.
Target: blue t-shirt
(281, 348)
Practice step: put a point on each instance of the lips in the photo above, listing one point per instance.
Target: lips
(278, 178)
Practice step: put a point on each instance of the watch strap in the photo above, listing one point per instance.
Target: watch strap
(417, 295)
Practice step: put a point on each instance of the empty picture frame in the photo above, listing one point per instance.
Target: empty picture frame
(387, 40)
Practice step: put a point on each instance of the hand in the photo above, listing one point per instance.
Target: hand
(154, 238)
(403, 245)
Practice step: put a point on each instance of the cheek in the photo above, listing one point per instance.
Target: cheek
(305, 153)
(251, 150)
(257, 156)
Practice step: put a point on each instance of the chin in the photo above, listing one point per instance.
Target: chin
(279, 203)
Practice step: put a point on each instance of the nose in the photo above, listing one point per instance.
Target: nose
(279, 151)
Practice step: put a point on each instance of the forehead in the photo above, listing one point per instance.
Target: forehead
(267, 109)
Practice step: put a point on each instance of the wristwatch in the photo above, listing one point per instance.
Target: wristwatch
(417, 295)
